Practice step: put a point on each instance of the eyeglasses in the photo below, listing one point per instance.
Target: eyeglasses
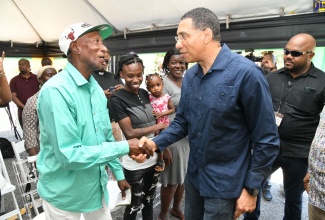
(267, 52)
(183, 37)
(295, 53)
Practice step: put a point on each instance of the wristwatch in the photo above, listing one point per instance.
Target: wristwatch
(252, 191)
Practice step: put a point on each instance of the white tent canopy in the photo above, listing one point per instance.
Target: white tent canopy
(35, 21)
(40, 22)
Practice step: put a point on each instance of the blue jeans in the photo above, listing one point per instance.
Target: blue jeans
(294, 171)
(144, 183)
(206, 208)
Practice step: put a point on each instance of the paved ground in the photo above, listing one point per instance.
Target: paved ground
(272, 210)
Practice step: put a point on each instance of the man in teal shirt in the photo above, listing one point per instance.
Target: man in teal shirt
(76, 138)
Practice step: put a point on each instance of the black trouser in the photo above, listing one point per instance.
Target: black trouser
(267, 183)
(20, 119)
(144, 183)
(294, 171)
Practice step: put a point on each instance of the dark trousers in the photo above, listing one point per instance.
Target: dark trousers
(20, 119)
(144, 183)
(294, 171)
(267, 183)
(199, 207)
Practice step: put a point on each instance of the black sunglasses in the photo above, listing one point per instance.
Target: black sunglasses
(295, 53)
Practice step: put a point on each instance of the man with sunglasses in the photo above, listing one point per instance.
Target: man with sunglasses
(109, 84)
(298, 95)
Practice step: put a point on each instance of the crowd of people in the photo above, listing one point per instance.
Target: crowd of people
(203, 132)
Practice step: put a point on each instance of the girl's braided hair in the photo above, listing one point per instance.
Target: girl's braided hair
(149, 77)
(130, 57)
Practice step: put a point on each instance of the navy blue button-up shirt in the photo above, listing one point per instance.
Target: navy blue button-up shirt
(228, 115)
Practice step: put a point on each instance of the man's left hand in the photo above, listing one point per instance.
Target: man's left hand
(168, 157)
(123, 185)
(245, 203)
(306, 182)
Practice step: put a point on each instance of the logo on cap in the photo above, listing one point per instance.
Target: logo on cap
(85, 25)
(70, 35)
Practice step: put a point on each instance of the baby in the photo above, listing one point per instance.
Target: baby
(162, 106)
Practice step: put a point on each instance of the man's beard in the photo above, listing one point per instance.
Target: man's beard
(24, 72)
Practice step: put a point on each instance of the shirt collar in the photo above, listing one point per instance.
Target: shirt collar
(30, 76)
(310, 72)
(100, 73)
(78, 77)
(220, 61)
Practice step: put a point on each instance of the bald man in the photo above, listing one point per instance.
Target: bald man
(298, 95)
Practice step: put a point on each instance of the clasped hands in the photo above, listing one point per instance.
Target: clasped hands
(142, 149)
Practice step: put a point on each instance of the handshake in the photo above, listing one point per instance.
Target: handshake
(142, 149)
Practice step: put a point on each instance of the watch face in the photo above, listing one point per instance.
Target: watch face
(252, 191)
(255, 192)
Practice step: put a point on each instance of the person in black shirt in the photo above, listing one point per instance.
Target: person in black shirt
(298, 96)
(268, 65)
(109, 84)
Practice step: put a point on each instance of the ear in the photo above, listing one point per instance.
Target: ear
(310, 56)
(207, 35)
(74, 47)
(121, 75)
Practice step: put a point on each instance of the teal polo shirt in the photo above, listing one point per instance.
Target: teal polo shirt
(76, 142)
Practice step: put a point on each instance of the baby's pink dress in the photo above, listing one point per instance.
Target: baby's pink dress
(160, 105)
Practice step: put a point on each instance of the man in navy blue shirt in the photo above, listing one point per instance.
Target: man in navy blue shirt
(226, 111)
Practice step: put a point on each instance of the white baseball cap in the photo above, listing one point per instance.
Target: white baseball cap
(74, 31)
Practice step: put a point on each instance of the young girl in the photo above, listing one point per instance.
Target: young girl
(132, 110)
(162, 107)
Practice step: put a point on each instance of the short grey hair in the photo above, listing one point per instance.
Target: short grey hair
(204, 18)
